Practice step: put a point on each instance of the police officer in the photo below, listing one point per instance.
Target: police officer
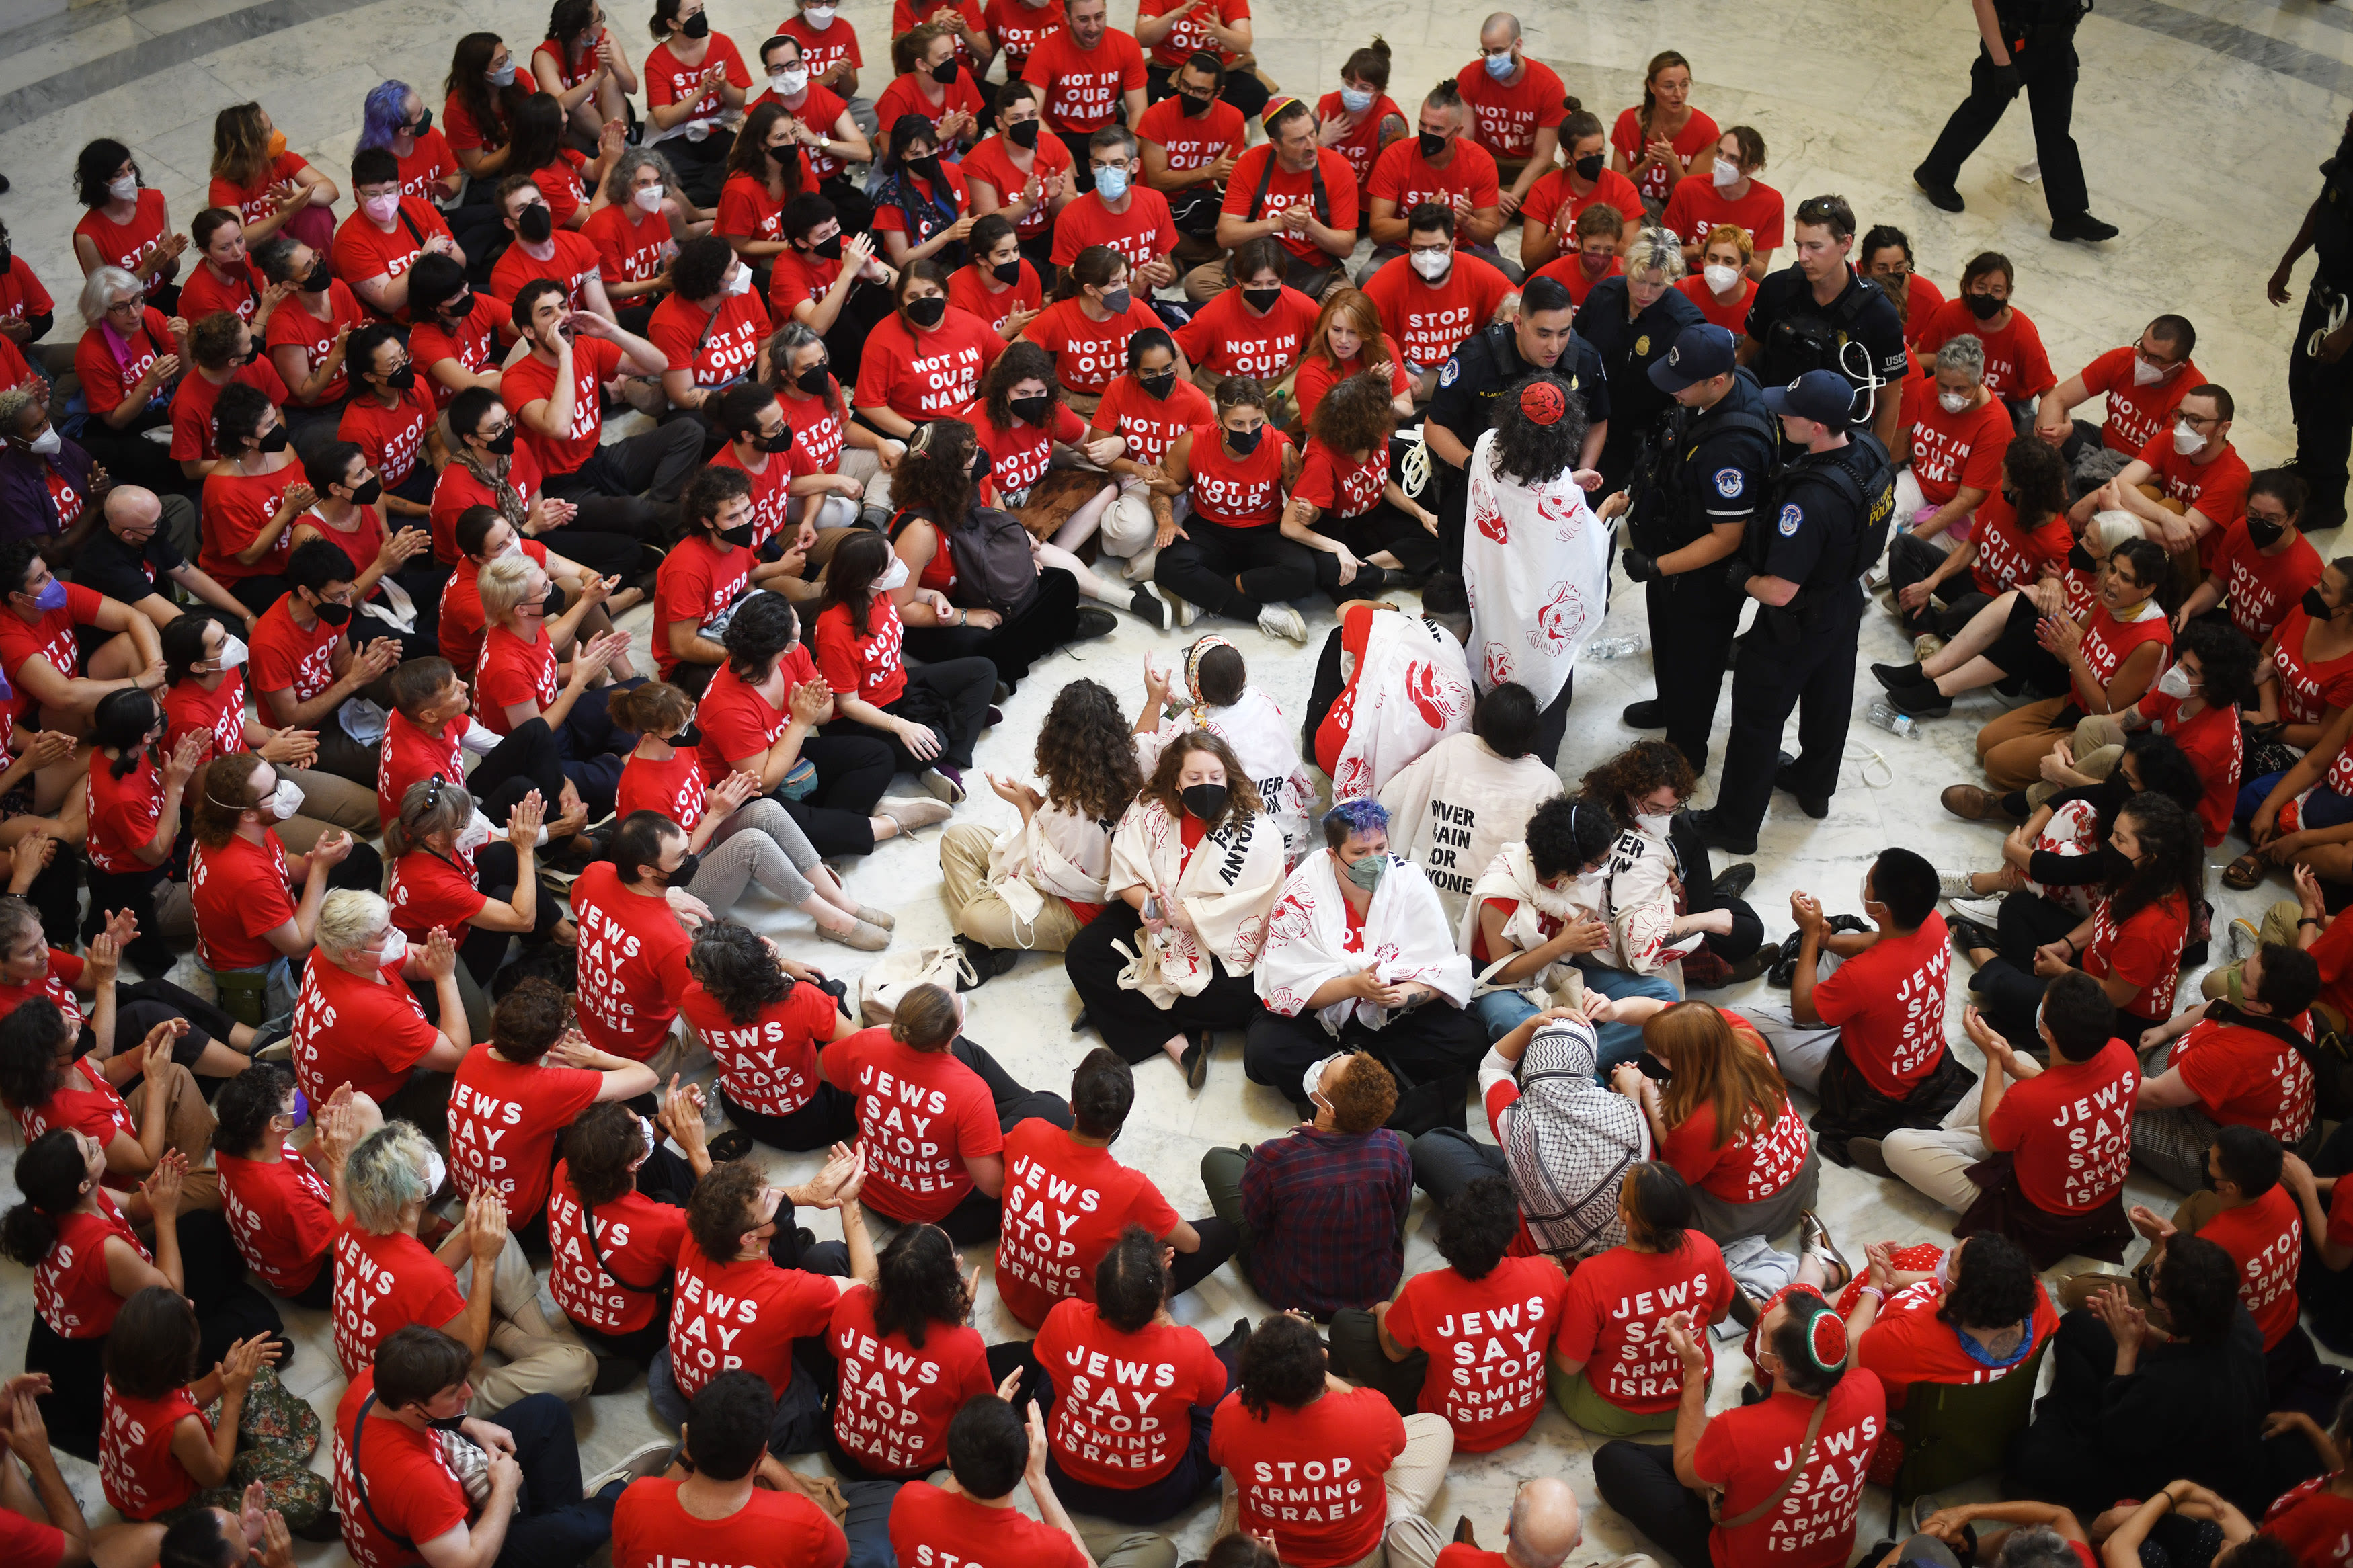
(1818, 313)
(1803, 564)
(2028, 43)
(1631, 322)
(1706, 471)
(2319, 370)
(1491, 360)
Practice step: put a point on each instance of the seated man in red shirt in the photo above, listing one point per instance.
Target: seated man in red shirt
(708, 1509)
(40, 645)
(1542, 1528)
(304, 668)
(2198, 477)
(1864, 1028)
(2230, 1062)
(2143, 384)
(1298, 191)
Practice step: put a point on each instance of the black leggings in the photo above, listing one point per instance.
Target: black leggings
(1128, 1021)
(853, 769)
(496, 875)
(960, 688)
(1050, 620)
(1385, 528)
(1233, 572)
(2009, 990)
(2025, 661)
(831, 1116)
(527, 760)
(1748, 933)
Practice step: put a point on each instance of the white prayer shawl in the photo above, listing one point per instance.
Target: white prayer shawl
(1512, 874)
(1228, 888)
(1404, 939)
(1535, 563)
(1268, 745)
(1057, 854)
(1643, 878)
(1410, 691)
(1455, 806)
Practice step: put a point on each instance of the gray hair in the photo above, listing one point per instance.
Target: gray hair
(348, 917)
(2035, 1546)
(621, 178)
(99, 290)
(793, 335)
(382, 1177)
(16, 400)
(2111, 529)
(1965, 353)
(1655, 250)
(17, 917)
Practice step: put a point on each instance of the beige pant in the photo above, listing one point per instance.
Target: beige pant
(1116, 1546)
(2098, 745)
(1935, 1160)
(979, 912)
(1413, 1480)
(1128, 528)
(187, 1127)
(539, 1354)
(327, 801)
(2279, 926)
(682, 1052)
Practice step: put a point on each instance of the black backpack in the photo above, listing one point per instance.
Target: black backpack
(990, 549)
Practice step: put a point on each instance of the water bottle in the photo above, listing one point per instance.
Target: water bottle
(1612, 648)
(1895, 723)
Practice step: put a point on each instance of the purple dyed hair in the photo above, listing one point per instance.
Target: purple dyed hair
(1355, 818)
(383, 113)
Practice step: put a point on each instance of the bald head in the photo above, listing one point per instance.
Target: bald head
(130, 509)
(1499, 30)
(1545, 1527)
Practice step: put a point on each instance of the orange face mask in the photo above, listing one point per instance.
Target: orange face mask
(277, 144)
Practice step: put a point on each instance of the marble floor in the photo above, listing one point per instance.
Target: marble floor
(2200, 120)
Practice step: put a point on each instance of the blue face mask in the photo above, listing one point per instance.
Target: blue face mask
(1356, 101)
(1111, 184)
(52, 596)
(1500, 66)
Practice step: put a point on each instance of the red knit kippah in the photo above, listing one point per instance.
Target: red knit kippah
(1825, 1338)
(1543, 402)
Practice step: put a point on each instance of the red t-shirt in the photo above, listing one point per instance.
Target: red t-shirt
(192, 407)
(241, 893)
(1510, 116)
(905, 96)
(1191, 32)
(1889, 1004)
(1225, 338)
(1908, 1343)
(2016, 368)
(1626, 136)
(694, 583)
(410, 1485)
(1151, 423)
(895, 1400)
(1949, 450)
(203, 294)
(2314, 1522)
(1019, 454)
(1317, 375)
(769, 1065)
(123, 812)
(236, 508)
(56, 983)
(1361, 146)
(392, 439)
(922, 1115)
(349, 1029)
(922, 376)
(738, 723)
(1084, 88)
(772, 1529)
(2265, 1239)
(455, 491)
(84, 1103)
(719, 347)
(504, 1119)
(742, 1317)
(51, 636)
(253, 203)
(1231, 492)
(632, 963)
(1018, 28)
(1696, 208)
(2070, 1129)
(631, 243)
(430, 162)
(1486, 1340)
(364, 251)
(2246, 1078)
(288, 658)
(2216, 490)
(1188, 143)
(1568, 270)
(1089, 356)
(989, 161)
(126, 245)
(2009, 557)
(411, 756)
(1403, 177)
(969, 293)
(472, 345)
(868, 668)
(1746, 1168)
(1550, 204)
(1121, 1401)
(798, 276)
(293, 326)
(1813, 1525)
(934, 1529)
(512, 671)
(531, 379)
(2137, 414)
(669, 79)
(746, 211)
(383, 1284)
(1429, 322)
(107, 380)
(2146, 950)
(1338, 484)
(364, 538)
(281, 1215)
(2262, 588)
(1065, 1204)
(69, 1285)
(823, 112)
(771, 491)
(22, 294)
(2215, 747)
(1145, 232)
(817, 429)
(136, 1468)
(1616, 1304)
(637, 1235)
(822, 48)
(1310, 1477)
(1285, 189)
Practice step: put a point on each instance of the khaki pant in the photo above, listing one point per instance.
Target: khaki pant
(978, 910)
(540, 1351)
(2279, 926)
(1116, 1546)
(1413, 1480)
(2012, 747)
(2098, 745)
(327, 801)
(1935, 1160)
(187, 1127)
(1128, 528)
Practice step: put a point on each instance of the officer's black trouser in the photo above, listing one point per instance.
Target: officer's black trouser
(2048, 67)
(1813, 673)
(1693, 617)
(2321, 397)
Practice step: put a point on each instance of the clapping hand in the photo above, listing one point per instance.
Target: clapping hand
(728, 794)
(28, 860)
(2126, 1323)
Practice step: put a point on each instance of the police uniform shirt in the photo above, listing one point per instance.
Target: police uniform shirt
(2332, 218)
(1627, 347)
(1789, 295)
(1809, 538)
(1488, 361)
(1727, 470)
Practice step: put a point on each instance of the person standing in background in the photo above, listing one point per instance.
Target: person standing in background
(2320, 377)
(2028, 43)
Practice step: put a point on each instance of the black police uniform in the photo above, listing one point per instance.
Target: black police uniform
(2041, 38)
(1713, 468)
(1627, 348)
(1488, 362)
(2321, 395)
(1860, 335)
(1820, 529)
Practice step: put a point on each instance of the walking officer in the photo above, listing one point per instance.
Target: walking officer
(2319, 370)
(1500, 356)
(1705, 472)
(1803, 563)
(2028, 43)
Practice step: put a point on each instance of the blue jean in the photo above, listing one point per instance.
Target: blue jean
(2323, 809)
(1503, 1011)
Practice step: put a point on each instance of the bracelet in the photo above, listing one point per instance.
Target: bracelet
(2073, 951)
(2309, 921)
(1874, 1292)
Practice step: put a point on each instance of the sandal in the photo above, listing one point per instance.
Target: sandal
(1813, 1236)
(2245, 871)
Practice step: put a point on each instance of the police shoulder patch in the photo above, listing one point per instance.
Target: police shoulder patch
(1790, 518)
(1729, 483)
(1453, 369)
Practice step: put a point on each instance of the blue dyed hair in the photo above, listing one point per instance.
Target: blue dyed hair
(1358, 819)
(381, 114)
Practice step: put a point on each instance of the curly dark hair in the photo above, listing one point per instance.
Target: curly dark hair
(598, 1149)
(246, 1104)
(1995, 1286)
(2227, 657)
(724, 1205)
(934, 477)
(1283, 1363)
(2038, 481)
(765, 626)
(1566, 834)
(530, 1018)
(1021, 360)
(1238, 1549)
(1241, 795)
(2164, 769)
(1131, 1282)
(2198, 1286)
(32, 1037)
(736, 970)
(1085, 753)
(1533, 454)
(1355, 415)
(919, 1283)
(2173, 857)
(1476, 1226)
(1637, 770)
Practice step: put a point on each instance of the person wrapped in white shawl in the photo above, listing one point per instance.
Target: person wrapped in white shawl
(1459, 803)
(1391, 686)
(1670, 912)
(1225, 704)
(1195, 867)
(1358, 957)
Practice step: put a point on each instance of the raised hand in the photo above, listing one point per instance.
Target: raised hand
(163, 1185)
(333, 847)
(523, 823)
(440, 960)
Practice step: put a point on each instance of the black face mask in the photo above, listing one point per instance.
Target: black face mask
(424, 123)
(741, 538)
(1588, 168)
(1245, 441)
(1008, 272)
(812, 380)
(1032, 409)
(1022, 133)
(928, 165)
(693, 863)
(2080, 558)
(402, 379)
(333, 615)
(1432, 143)
(252, 351)
(830, 248)
(1262, 300)
(275, 441)
(458, 309)
(927, 311)
(2315, 606)
(534, 224)
(553, 605)
(697, 26)
(7, 260)
(2263, 532)
(1159, 385)
(367, 494)
(1194, 107)
(945, 72)
(786, 156)
(1984, 307)
(1206, 801)
(504, 446)
(782, 441)
(983, 465)
(316, 283)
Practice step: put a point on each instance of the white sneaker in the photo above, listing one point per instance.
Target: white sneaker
(1182, 610)
(1875, 580)
(650, 1460)
(1954, 885)
(1986, 912)
(1279, 620)
(2239, 939)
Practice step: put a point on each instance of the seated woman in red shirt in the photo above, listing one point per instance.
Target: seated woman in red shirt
(1044, 465)
(1231, 559)
(483, 91)
(45, 1087)
(130, 361)
(875, 695)
(128, 224)
(916, 1316)
(2196, 701)
(1087, 325)
(134, 822)
(526, 629)
(926, 359)
(1345, 503)
(1148, 408)
(268, 185)
(460, 875)
(618, 1176)
(564, 175)
(763, 1018)
(251, 499)
(739, 835)
(284, 1204)
(765, 169)
(1614, 1373)
(159, 1451)
(922, 209)
(356, 1021)
(1348, 338)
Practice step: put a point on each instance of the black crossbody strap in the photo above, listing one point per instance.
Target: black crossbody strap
(359, 1480)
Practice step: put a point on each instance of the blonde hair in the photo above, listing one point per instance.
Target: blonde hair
(381, 1177)
(1655, 250)
(1733, 235)
(2112, 528)
(348, 917)
(503, 584)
